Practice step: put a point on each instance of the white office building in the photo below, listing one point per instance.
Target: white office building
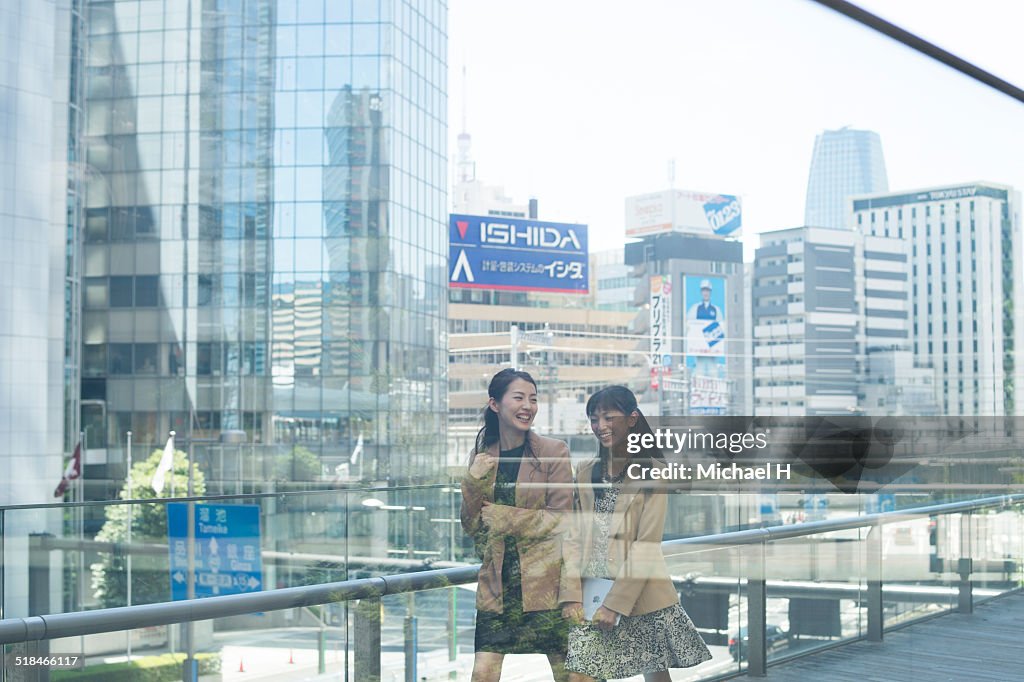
(965, 285)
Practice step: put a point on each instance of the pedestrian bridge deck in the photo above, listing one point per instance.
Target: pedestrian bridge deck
(984, 645)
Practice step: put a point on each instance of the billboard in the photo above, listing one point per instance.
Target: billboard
(702, 213)
(661, 321)
(704, 327)
(490, 252)
(708, 395)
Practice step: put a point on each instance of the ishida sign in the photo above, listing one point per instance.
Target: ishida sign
(490, 252)
(684, 211)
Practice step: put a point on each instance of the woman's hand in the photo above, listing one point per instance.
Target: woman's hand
(604, 619)
(482, 465)
(487, 512)
(573, 611)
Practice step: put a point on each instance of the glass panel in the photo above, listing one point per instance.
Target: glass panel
(708, 580)
(816, 589)
(922, 551)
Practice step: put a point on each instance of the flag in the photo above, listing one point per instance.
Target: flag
(165, 465)
(72, 471)
(357, 450)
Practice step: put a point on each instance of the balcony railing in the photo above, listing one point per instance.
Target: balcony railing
(842, 579)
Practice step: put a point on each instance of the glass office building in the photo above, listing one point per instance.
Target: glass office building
(846, 162)
(264, 232)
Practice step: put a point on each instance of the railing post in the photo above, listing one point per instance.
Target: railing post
(38, 605)
(757, 654)
(367, 619)
(876, 608)
(453, 625)
(321, 651)
(410, 648)
(966, 594)
(39, 574)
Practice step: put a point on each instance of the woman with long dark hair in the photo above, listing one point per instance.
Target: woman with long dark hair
(516, 500)
(640, 627)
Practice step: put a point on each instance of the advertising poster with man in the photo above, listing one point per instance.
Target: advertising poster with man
(704, 302)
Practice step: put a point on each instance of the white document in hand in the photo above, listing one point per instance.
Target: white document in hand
(594, 592)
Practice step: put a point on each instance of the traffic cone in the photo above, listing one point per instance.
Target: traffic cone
(241, 665)
(291, 660)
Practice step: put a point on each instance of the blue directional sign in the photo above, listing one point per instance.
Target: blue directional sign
(495, 252)
(227, 549)
(880, 503)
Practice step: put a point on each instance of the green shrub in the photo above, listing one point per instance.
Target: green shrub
(162, 668)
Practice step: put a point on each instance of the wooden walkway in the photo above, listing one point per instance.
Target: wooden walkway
(985, 645)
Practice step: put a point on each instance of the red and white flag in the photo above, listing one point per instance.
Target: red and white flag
(72, 471)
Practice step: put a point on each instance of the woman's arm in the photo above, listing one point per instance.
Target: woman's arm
(644, 558)
(537, 524)
(476, 485)
(570, 589)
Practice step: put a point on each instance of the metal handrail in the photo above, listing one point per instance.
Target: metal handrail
(757, 535)
(60, 625)
(234, 496)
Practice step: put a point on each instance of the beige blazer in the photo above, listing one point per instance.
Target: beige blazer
(642, 582)
(544, 496)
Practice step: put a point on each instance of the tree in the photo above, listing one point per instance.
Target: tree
(150, 574)
(298, 465)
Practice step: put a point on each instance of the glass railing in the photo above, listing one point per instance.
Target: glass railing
(806, 585)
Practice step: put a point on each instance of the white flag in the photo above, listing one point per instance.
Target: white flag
(165, 465)
(357, 450)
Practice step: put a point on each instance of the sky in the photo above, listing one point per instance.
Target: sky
(581, 104)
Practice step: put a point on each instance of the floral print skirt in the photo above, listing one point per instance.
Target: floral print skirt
(637, 645)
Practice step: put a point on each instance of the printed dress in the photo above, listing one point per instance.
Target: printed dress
(514, 631)
(638, 645)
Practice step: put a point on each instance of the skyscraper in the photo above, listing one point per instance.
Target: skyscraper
(845, 162)
(264, 240)
(35, 40)
(965, 281)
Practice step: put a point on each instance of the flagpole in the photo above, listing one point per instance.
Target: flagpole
(131, 509)
(172, 630)
(80, 516)
(172, 468)
(189, 673)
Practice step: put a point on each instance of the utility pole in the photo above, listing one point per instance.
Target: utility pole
(549, 337)
(514, 339)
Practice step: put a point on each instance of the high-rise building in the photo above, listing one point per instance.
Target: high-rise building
(830, 314)
(264, 229)
(805, 322)
(35, 43)
(965, 282)
(845, 162)
(702, 338)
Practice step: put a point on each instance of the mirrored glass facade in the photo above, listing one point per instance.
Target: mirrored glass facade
(264, 231)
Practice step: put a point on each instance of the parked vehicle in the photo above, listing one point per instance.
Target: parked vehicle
(776, 639)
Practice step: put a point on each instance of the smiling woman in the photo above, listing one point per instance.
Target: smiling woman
(515, 496)
(639, 626)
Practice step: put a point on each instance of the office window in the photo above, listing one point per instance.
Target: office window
(121, 292)
(120, 358)
(145, 358)
(147, 291)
